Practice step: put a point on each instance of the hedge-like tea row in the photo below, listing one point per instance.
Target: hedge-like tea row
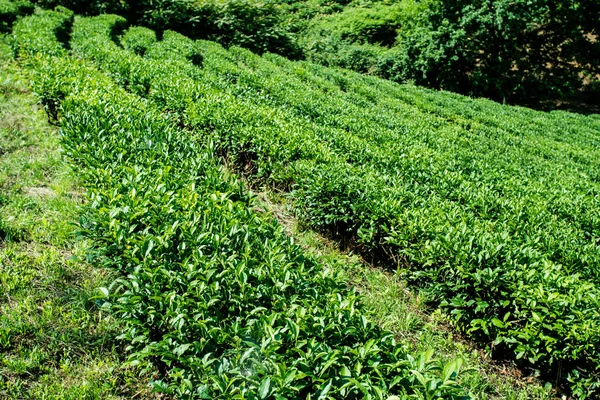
(10, 10)
(495, 209)
(138, 39)
(47, 32)
(211, 293)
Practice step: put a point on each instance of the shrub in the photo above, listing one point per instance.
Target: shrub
(48, 32)
(11, 10)
(138, 39)
(503, 49)
(213, 295)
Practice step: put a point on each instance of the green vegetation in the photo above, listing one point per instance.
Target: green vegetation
(426, 182)
(31, 33)
(255, 24)
(138, 40)
(54, 341)
(503, 49)
(395, 308)
(507, 50)
(212, 295)
(491, 210)
(11, 10)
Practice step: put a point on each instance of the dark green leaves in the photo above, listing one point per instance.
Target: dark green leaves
(492, 210)
(212, 295)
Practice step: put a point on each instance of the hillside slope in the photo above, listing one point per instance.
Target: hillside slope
(492, 210)
(210, 296)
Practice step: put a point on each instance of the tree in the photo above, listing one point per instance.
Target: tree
(503, 49)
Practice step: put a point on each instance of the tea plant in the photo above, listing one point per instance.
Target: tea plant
(138, 39)
(10, 11)
(212, 295)
(453, 192)
(48, 32)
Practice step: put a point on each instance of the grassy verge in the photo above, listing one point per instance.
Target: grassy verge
(54, 342)
(403, 312)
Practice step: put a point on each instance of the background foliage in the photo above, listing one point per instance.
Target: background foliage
(502, 49)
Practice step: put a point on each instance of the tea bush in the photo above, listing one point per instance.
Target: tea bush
(176, 46)
(11, 10)
(450, 190)
(138, 39)
(48, 32)
(211, 294)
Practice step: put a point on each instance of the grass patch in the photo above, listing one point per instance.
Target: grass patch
(54, 341)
